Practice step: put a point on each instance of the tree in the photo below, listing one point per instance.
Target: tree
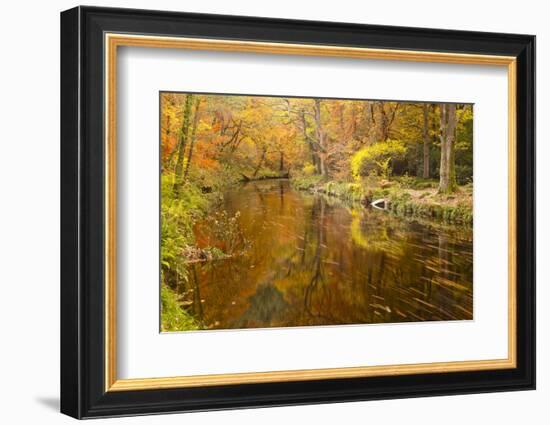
(310, 141)
(193, 135)
(447, 174)
(184, 134)
(426, 140)
(306, 116)
(321, 138)
(207, 140)
(381, 118)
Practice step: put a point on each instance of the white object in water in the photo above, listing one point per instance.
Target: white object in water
(378, 202)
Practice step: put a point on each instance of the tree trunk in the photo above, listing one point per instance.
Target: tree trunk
(307, 138)
(192, 140)
(443, 167)
(426, 137)
(447, 176)
(383, 127)
(417, 166)
(320, 136)
(259, 163)
(182, 142)
(166, 141)
(281, 161)
(373, 128)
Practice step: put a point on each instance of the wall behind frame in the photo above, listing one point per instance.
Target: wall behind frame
(29, 217)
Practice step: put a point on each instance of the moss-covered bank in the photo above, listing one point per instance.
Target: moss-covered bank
(406, 197)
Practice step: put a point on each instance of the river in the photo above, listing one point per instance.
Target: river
(304, 259)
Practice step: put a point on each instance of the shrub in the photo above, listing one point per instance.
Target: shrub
(308, 169)
(174, 317)
(407, 181)
(376, 158)
(227, 234)
(177, 218)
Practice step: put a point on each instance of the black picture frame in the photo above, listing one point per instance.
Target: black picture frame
(83, 392)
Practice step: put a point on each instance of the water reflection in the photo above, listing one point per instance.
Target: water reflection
(311, 260)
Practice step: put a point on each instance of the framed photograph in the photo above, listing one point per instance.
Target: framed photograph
(261, 212)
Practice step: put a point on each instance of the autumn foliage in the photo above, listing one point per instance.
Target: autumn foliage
(356, 150)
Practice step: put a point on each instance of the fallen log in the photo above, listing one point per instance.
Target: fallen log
(254, 179)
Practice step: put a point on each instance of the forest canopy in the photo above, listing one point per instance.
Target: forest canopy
(206, 138)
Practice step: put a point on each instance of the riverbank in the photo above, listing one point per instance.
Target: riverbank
(180, 249)
(404, 196)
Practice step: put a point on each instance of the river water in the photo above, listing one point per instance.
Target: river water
(302, 259)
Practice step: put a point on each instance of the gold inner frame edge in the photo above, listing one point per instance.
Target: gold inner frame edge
(112, 41)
